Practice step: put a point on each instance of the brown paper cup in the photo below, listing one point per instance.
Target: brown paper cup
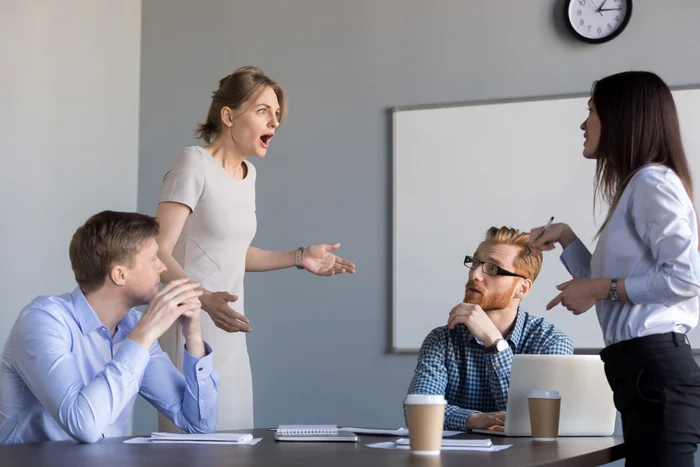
(425, 414)
(545, 407)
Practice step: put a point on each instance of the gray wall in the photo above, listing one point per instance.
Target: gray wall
(69, 123)
(68, 131)
(319, 346)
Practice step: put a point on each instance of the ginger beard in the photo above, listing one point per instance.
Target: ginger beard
(475, 294)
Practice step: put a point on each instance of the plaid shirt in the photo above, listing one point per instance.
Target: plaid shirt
(453, 363)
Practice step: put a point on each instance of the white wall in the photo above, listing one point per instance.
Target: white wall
(69, 103)
(503, 147)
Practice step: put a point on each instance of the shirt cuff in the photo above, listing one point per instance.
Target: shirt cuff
(457, 419)
(576, 252)
(500, 362)
(198, 368)
(133, 355)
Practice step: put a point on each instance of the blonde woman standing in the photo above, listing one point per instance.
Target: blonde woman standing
(207, 223)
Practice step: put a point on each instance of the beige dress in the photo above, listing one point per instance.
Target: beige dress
(212, 250)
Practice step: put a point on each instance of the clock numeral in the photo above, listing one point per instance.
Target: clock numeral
(582, 2)
(600, 30)
(617, 18)
(589, 29)
(578, 12)
(619, 8)
(609, 27)
(581, 23)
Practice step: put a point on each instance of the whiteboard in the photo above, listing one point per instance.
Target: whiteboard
(461, 169)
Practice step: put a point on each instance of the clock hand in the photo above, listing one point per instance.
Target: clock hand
(609, 9)
(596, 8)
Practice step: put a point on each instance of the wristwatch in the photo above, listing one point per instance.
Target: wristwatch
(297, 257)
(613, 295)
(499, 346)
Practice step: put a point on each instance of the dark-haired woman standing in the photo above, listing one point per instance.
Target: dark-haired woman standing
(644, 275)
(208, 221)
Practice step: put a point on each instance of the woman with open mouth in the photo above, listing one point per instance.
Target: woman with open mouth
(207, 223)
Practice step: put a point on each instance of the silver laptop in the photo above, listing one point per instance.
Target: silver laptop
(587, 407)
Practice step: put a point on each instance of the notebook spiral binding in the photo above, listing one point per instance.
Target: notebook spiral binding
(307, 431)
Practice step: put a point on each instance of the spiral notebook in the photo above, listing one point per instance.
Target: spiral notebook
(313, 433)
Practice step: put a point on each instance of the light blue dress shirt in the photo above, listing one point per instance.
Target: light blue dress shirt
(651, 241)
(63, 377)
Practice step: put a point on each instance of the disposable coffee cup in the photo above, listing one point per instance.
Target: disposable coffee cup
(425, 415)
(545, 407)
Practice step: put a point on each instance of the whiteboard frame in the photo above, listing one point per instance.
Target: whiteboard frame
(394, 111)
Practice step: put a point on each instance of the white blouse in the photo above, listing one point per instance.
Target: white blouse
(650, 241)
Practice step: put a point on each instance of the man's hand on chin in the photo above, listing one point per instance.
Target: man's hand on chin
(476, 320)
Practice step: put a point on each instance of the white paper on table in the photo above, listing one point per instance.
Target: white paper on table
(138, 441)
(474, 443)
(251, 442)
(400, 432)
(194, 439)
(229, 437)
(392, 445)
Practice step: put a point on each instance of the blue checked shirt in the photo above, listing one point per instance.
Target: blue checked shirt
(453, 363)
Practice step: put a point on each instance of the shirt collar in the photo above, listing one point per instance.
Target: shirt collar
(514, 336)
(84, 314)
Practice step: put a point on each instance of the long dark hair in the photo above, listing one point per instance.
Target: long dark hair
(639, 126)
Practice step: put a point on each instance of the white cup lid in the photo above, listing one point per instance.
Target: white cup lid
(543, 394)
(421, 399)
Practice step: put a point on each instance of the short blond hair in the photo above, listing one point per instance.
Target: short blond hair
(527, 263)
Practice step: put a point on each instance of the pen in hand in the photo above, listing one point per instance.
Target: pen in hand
(549, 222)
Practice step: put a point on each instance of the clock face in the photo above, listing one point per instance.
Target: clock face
(596, 21)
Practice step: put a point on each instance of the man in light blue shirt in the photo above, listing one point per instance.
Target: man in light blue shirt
(73, 364)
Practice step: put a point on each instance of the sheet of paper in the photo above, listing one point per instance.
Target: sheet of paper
(138, 441)
(400, 432)
(143, 440)
(392, 445)
(233, 437)
(477, 443)
(252, 442)
(377, 431)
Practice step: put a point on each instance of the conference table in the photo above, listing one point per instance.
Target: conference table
(570, 452)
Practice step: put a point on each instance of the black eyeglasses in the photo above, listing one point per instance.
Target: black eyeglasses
(489, 268)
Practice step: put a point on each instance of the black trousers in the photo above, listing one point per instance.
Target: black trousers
(656, 387)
